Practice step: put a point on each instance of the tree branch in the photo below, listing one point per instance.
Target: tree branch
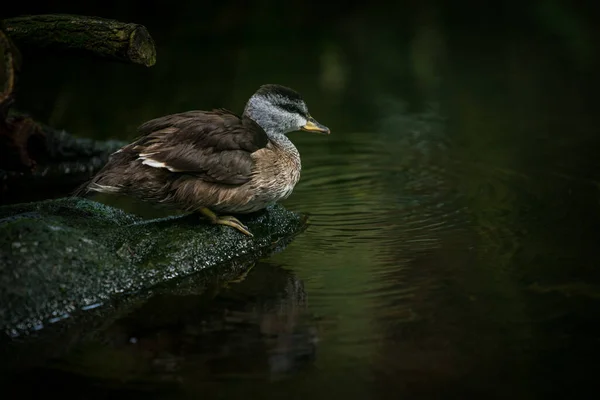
(9, 58)
(103, 37)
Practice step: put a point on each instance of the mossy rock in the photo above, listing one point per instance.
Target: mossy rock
(59, 257)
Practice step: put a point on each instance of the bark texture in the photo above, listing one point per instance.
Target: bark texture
(104, 37)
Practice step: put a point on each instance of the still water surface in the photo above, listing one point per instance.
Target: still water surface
(395, 289)
(450, 257)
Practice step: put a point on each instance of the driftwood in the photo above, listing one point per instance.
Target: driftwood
(24, 144)
(9, 65)
(103, 37)
(20, 138)
(39, 162)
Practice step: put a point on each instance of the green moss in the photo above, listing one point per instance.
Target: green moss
(59, 256)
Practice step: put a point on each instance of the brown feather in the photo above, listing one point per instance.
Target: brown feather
(214, 146)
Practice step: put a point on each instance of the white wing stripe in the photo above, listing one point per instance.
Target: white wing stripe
(156, 164)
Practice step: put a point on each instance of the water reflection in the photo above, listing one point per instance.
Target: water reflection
(429, 272)
(404, 285)
(258, 328)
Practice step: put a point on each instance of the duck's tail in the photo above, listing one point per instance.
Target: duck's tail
(108, 179)
(90, 186)
(93, 186)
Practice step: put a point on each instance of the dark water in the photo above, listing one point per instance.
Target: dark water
(454, 210)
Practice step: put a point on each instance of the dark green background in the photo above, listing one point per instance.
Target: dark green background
(453, 250)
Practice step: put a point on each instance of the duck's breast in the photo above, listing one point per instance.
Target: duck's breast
(277, 170)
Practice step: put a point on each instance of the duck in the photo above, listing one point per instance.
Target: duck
(215, 163)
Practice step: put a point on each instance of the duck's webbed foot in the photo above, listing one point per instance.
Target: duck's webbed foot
(226, 220)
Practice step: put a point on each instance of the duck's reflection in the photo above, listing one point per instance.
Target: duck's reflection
(257, 327)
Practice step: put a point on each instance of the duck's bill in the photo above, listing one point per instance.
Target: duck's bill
(313, 126)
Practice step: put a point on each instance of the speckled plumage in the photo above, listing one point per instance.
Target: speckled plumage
(214, 159)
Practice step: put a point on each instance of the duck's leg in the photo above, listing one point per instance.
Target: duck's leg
(226, 220)
(240, 278)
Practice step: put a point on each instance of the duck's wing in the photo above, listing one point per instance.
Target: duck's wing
(215, 146)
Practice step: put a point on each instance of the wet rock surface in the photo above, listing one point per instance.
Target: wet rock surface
(61, 257)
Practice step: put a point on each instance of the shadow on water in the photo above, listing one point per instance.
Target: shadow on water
(258, 329)
(448, 257)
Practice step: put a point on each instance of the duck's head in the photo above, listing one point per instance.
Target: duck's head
(279, 110)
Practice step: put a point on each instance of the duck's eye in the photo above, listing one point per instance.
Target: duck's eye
(291, 108)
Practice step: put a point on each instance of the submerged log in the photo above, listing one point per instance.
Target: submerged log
(103, 37)
(267, 307)
(59, 258)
